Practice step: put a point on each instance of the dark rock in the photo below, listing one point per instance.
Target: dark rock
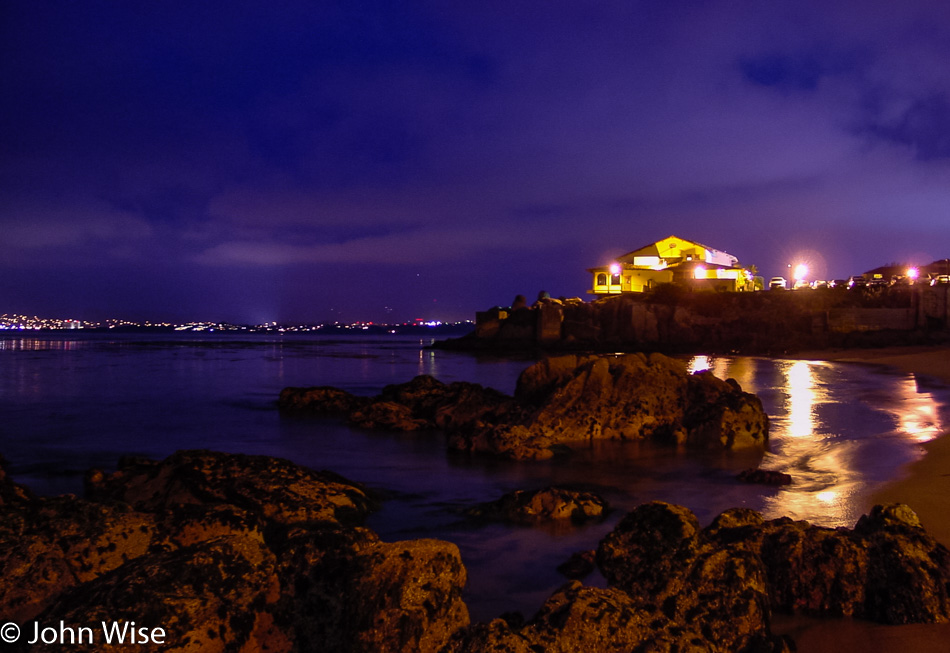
(569, 399)
(720, 415)
(494, 637)
(649, 546)
(55, 544)
(578, 618)
(815, 571)
(388, 416)
(727, 577)
(355, 593)
(908, 572)
(324, 400)
(216, 595)
(630, 397)
(551, 503)
(579, 565)
(10, 492)
(426, 403)
(228, 552)
(277, 490)
(764, 477)
(656, 554)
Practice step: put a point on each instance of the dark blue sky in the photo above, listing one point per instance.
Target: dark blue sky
(384, 160)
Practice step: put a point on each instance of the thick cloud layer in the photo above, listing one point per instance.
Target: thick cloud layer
(308, 161)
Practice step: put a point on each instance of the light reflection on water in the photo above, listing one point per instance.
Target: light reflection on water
(838, 435)
(67, 404)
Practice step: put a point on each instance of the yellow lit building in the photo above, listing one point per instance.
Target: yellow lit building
(671, 260)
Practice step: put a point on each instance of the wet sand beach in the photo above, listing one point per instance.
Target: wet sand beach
(925, 487)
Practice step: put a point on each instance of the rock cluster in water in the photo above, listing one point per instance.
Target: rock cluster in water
(559, 401)
(674, 586)
(544, 505)
(229, 552)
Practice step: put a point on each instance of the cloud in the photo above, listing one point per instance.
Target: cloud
(924, 127)
(53, 235)
(426, 246)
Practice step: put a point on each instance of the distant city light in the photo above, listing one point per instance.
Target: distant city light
(16, 322)
(913, 273)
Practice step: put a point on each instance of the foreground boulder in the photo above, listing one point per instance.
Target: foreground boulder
(226, 553)
(275, 489)
(674, 586)
(560, 401)
(887, 569)
(355, 593)
(170, 590)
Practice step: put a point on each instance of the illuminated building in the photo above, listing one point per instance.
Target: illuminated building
(670, 260)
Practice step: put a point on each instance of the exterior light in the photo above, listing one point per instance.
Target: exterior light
(913, 273)
(801, 271)
(699, 272)
(615, 269)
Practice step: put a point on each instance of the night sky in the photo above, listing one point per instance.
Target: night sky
(307, 161)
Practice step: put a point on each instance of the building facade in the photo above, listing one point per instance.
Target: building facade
(670, 260)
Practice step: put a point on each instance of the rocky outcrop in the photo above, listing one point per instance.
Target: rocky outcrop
(227, 552)
(547, 504)
(353, 592)
(674, 586)
(657, 552)
(275, 489)
(171, 590)
(751, 566)
(53, 544)
(323, 400)
(579, 618)
(569, 399)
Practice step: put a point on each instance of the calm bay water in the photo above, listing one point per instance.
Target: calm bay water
(69, 402)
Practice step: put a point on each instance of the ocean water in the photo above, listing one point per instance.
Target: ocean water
(70, 402)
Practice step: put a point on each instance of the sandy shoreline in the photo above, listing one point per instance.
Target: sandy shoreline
(925, 487)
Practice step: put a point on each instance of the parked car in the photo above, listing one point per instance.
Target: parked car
(940, 280)
(819, 283)
(777, 283)
(839, 283)
(858, 281)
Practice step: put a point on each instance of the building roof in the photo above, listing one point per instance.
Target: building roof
(653, 249)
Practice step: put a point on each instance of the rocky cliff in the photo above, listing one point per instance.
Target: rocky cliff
(671, 319)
